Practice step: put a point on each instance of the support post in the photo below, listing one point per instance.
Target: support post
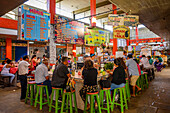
(9, 48)
(93, 12)
(137, 36)
(114, 39)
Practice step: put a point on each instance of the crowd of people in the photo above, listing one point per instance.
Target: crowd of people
(126, 67)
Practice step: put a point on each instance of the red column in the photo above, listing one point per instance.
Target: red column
(51, 4)
(137, 37)
(9, 48)
(74, 50)
(114, 39)
(127, 42)
(91, 50)
(93, 12)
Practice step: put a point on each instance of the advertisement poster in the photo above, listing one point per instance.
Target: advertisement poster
(96, 36)
(116, 19)
(68, 31)
(35, 24)
(121, 32)
(131, 20)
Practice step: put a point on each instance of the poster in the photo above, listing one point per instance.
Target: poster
(127, 20)
(68, 31)
(96, 36)
(116, 19)
(35, 24)
(121, 32)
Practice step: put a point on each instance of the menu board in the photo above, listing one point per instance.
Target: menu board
(35, 24)
(68, 31)
(96, 36)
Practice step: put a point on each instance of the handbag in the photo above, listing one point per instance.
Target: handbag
(70, 85)
(105, 83)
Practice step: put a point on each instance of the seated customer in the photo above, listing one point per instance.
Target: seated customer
(89, 75)
(6, 69)
(41, 75)
(61, 74)
(118, 76)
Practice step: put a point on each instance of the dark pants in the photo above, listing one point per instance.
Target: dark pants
(48, 83)
(23, 80)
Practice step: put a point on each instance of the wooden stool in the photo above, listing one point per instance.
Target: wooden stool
(41, 88)
(68, 96)
(108, 99)
(123, 101)
(30, 94)
(127, 89)
(92, 95)
(56, 106)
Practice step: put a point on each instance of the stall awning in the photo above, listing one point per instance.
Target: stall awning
(8, 5)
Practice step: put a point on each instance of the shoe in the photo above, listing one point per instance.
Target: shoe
(116, 97)
(22, 100)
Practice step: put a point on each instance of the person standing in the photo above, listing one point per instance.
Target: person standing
(23, 71)
(61, 74)
(41, 75)
(133, 72)
(6, 69)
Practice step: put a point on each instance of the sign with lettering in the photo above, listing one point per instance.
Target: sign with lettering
(116, 19)
(96, 36)
(68, 31)
(121, 32)
(35, 24)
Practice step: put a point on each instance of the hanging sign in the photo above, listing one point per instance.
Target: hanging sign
(121, 32)
(35, 24)
(127, 20)
(68, 31)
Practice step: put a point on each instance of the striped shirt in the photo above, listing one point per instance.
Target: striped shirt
(40, 73)
(132, 67)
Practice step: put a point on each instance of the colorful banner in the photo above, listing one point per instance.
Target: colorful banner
(121, 32)
(35, 24)
(68, 31)
(96, 36)
(127, 20)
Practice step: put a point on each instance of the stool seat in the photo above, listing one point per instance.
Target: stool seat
(145, 72)
(126, 78)
(56, 88)
(41, 85)
(32, 82)
(93, 93)
(69, 92)
(106, 88)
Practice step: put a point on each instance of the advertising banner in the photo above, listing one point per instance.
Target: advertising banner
(121, 32)
(96, 36)
(127, 20)
(68, 31)
(116, 19)
(35, 24)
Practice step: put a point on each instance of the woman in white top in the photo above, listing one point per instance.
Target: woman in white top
(6, 69)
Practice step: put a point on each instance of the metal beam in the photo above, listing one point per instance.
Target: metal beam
(57, 1)
(88, 8)
(106, 15)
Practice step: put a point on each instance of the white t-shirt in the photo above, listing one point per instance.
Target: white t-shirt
(23, 67)
(40, 73)
(145, 63)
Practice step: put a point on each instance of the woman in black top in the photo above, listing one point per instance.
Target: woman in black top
(89, 75)
(118, 77)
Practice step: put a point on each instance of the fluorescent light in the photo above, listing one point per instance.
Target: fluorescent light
(31, 42)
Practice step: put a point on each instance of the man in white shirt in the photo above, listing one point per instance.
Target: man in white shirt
(23, 72)
(144, 61)
(41, 75)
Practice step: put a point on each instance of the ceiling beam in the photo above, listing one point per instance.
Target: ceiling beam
(106, 15)
(88, 8)
(57, 1)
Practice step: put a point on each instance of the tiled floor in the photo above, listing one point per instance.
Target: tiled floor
(155, 99)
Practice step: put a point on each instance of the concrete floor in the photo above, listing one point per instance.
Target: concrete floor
(155, 99)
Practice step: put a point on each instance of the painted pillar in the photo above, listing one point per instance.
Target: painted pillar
(127, 42)
(74, 50)
(51, 6)
(91, 50)
(114, 39)
(93, 12)
(137, 36)
(9, 48)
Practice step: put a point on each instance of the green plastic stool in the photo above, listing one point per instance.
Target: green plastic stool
(68, 96)
(146, 84)
(123, 100)
(41, 88)
(108, 98)
(127, 90)
(30, 92)
(142, 81)
(92, 109)
(56, 106)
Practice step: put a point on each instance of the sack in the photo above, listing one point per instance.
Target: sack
(70, 86)
(105, 83)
